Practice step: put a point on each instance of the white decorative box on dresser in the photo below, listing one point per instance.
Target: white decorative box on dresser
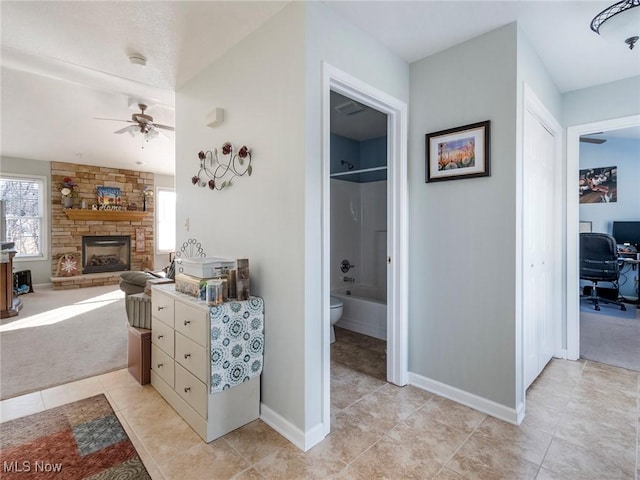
(206, 361)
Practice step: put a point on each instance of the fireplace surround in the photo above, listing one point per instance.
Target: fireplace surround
(106, 253)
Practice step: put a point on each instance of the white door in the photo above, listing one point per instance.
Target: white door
(539, 239)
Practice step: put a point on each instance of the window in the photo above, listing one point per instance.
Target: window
(25, 220)
(166, 220)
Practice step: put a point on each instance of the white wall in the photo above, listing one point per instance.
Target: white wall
(358, 233)
(40, 269)
(260, 84)
(463, 232)
(346, 230)
(374, 236)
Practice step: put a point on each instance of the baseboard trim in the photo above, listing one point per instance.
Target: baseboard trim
(302, 440)
(463, 397)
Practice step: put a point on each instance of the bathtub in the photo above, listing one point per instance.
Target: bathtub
(365, 310)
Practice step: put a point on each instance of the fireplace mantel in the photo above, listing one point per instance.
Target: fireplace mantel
(105, 215)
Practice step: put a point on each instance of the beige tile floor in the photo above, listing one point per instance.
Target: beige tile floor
(582, 423)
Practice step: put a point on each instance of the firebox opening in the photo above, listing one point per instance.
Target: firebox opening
(106, 253)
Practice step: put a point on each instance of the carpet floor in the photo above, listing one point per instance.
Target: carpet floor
(79, 440)
(61, 336)
(610, 336)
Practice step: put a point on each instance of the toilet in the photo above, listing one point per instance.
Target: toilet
(336, 314)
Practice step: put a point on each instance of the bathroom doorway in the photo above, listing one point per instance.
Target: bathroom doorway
(358, 244)
(364, 219)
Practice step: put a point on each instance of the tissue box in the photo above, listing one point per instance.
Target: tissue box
(191, 285)
(208, 267)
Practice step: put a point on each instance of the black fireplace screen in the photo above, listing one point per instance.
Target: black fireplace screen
(106, 253)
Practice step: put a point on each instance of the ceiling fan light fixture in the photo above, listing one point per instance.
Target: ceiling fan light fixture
(620, 22)
(138, 59)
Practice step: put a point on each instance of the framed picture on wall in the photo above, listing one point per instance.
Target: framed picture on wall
(598, 185)
(108, 195)
(461, 152)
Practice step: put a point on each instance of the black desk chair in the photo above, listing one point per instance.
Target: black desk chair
(599, 263)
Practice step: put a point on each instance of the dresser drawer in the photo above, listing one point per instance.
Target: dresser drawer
(162, 307)
(192, 357)
(162, 364)
(192, 390)
(192, 322)
(162, 336)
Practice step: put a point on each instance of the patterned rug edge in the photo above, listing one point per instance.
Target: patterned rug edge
(78, 440)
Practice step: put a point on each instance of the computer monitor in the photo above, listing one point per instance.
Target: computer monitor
(627, 233)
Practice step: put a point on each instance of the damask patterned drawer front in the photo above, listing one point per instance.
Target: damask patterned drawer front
(192, 357)
(162, 336)
(162, 364)
(162, 307)
(192, 322)
(192, 390)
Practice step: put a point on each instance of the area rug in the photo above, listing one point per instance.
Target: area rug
(79, 440)
(61, 336)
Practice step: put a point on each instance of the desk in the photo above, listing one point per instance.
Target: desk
(632, 265)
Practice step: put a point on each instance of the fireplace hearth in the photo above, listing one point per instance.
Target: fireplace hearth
(106, 253)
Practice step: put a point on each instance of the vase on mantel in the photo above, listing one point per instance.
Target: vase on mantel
(67, 202)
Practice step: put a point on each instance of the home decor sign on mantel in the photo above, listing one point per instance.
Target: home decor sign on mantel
(221, 173)
(461, 152)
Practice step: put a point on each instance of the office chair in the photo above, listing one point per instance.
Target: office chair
(599, 263)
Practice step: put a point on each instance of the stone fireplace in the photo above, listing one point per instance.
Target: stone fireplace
(67, 230)
(102, 253)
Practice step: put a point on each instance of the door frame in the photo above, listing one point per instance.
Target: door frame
(573, 217)
(334, 79)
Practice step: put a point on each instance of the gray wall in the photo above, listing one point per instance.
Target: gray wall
(462, 239)
(40, 269)
(260, 85)
(330, 38)
(602, 102)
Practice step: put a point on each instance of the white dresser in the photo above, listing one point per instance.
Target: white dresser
(181, 366)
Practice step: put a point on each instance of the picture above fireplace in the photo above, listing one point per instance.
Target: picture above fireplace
(110, 253)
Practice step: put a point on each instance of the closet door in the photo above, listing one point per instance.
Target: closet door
(540, 207)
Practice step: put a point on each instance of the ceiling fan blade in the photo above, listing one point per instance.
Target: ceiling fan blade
(597, 141)
(164, 127)
(131, 129)
(113, 119)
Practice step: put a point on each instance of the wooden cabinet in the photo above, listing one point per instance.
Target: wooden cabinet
(181, 367)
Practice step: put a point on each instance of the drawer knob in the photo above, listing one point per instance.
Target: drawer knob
(187, 355)
(160, 308)
(187, 389)
(187, 322)
(160, 365)
(160, 337)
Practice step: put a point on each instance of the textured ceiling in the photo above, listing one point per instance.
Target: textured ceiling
(65, 62)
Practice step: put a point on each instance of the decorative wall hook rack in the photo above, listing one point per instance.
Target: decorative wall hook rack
(220, 173)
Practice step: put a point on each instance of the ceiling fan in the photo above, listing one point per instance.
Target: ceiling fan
(597, 141)
(142, 123)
